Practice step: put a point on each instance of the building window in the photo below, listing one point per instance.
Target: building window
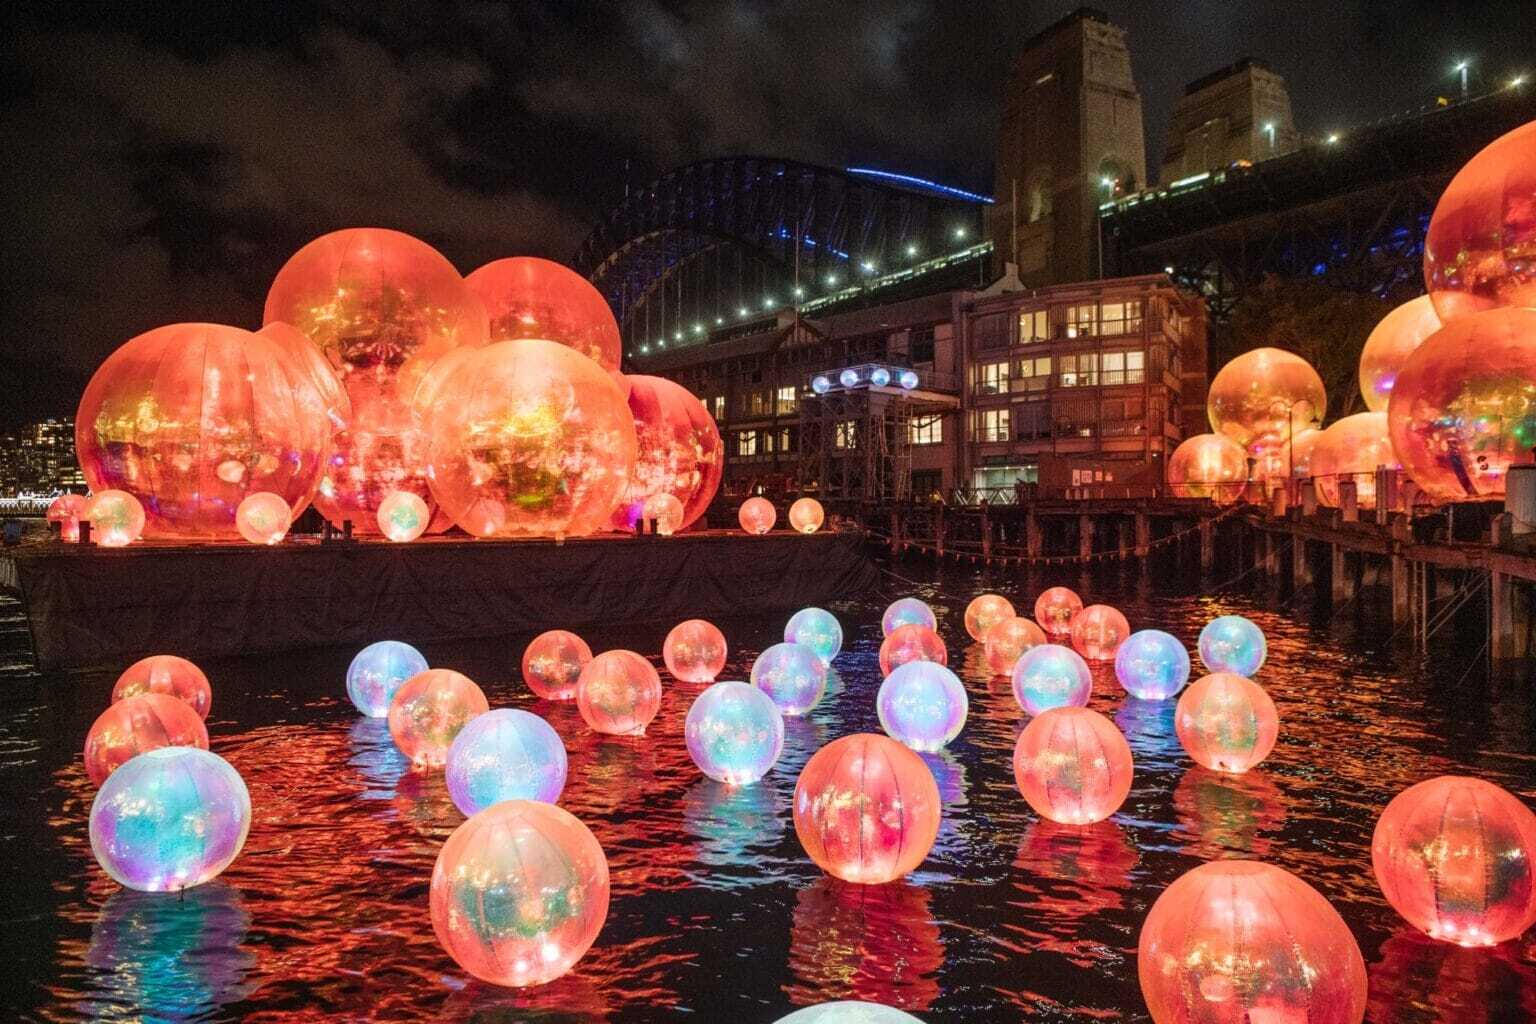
(784, 441)
(926, 430)
(1076, 418)
(786, 399)
(1121, 318)
(717, 407)
(1034, 325)
(990, 333)
(1080, 370)
(993, 478)
(920, 345)
(991, 425)
(1124, 367)
(847, 434)
(1124, 417)
(746, 442)
(1082, 321)
(991, 378)
(1032, 374)
(1031, 421)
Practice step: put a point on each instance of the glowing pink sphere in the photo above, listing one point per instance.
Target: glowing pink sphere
(866, 809)
(1226, 723)
(806, 515)
(428, 712)
(1351, 449)
(1007, 641)
(313, 362)
(167, 674)
(116, 518)
(67, 510)
(679, 453)
(552, 664)
(142, 722)
(1098, 631)
(665, 511)
(1072, 765)
(263, 518)
(618, 693)
(694, 651)
(923, 705)
(984, 612)
(1388, 347)
(911, 643)
(1051, 676)
(403, 517)
(757, 515)
(528, 297)
(907, 611)
(1258, 398)
(1209, 466)
(1054, 610)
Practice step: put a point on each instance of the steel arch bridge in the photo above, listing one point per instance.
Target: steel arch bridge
(721, 241)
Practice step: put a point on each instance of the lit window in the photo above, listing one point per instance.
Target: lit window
(1034, 325)
(746, 442)
(1082, 321)
(926, 430)
(1121, 318)
(847, 434)
(991, 425)
(1124, 367)
(1080, 370)
(786, 399)
(717, 406)
(1032, 374)
(991, 378)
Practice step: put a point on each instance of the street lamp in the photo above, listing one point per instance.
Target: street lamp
(1269, 129)
(1461, 69)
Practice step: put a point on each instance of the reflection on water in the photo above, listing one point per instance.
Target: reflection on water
(877, 943)
(1416, 980)
(1222, 815)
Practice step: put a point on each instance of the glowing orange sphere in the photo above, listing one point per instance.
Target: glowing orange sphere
(429, 710)
(618, 693)
(1456, 856)
(1463, 409)
(263, 518)
(67, 510)
(1054, 610)
(526, 297)
(529, 438)
(866, 809)
(1209, 466)
(1072, 765)
(665, 511)
(984, 612)
(1243, 941)
(379, 448)
(1482, 236)
(806, 515)
(116, 518)
(313, 362)
(1261, 395)
(403, 516)
(1351, 449)
(694, 651)
(191, 418)
(757, 515)
(1098, 631)
(169, 675)
(1007, 641)
(911, 642)
(1388, 347)
(142, 722)
(552, 663)
(679, 451)
(1226, 723)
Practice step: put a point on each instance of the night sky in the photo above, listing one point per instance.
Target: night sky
(162, 161)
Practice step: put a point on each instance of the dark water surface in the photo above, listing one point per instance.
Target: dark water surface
(717, 914)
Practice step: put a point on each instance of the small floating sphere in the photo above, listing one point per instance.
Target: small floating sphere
(984, 612)
(907, 611)
(923, 705)
(817, 629)
(429, 710)
(552, 663)
(618, 693)
(519, 893)
(1231, 643)
(734, 733)
(1051, 676)
(263, 517)
(665, 511)
(1152, 665)
(1390, 344)
(1007, 641)
(1073, 765)
(1226, 723)
(793, 675)
(116, 517)
(506, 754)
(1097, 632)
(168, 674)
(806, 516)
(67, 510)
(1054, 610)
(757, 515)
(694, 651)
(1242, 941)
(866, 809)
(849, 1011)
(135, 724)
(403, 516)
(169, 819)
(1456, 857)
(911, 643)
(378, 671)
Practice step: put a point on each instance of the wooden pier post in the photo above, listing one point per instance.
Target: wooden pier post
(1301, 562)
(1123, 529)
(938, 529)
(1342, 587)
(1032, 539)
(1501, 617)
(1402, 580)
(898, 515)
(1207, 545)
(986, 531)
(1271, 555)
(1309, 497)
(1084, 536)
(1349, 503)
(1143, 535)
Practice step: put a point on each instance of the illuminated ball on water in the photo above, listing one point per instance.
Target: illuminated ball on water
(848, 378)
(866, 809)
(116, 518)
(169, 819)
(1097, 632)
(1456, 856)
(429, 710)
(908, 379)
(1054, 610)
(694, 651)
(1152, 665)
(792, 675)
(167, 674)
(1231, 643)
(1239, 940)
(263, 518)
(757, 515)
(984, 612)
(506, 754)
(911, 643)
(817, 629)
(552, 663)
(806, 516)
(1389, 345)
(1006, 642)
(880, 377)
(923, 705)
(403, 516)
(618, 693)
(377, 671)
(665, 511)
(849, 1011)
(734, 733)
(1226, 723)
(67, 510)
(529, 297)
(1073, 765)
(907, 611)
(1051, 676)
(1209, 466)
(519, 893)
(136, 724)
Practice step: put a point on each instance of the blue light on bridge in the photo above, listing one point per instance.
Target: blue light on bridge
(933, 186)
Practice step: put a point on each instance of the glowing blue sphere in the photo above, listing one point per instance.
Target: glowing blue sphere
(734, 733)
(378, 671)
(880, 377)
(170, 818)
(1152, 665)
(922, 704)
(1233, 644)
(907, 611)
(817, 629)
(849, 1011)
(908, 379)
(820, 384)
(1051, 676)
(504, 754)
(793, 675)
(848, 378)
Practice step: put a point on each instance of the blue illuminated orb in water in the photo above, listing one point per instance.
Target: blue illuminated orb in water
(793, 675)
(922, 704)
(1152, 665)
(907, 611)
(848, 378)
(378, 671)
(817, 629)
(506, 754)
(1051, 676)
(1231, 643)
(880, 377)
(820, 384)
(734, 733)
(849, 1012)
(908, 379)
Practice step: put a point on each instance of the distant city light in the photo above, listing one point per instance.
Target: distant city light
(1517, 81)
(645, 350)
(678, 336)
(831, 280)
(698, 328)
(742, 311)
(869, 268)
(1107, 182)
(799, 292)
(908, 179)
(719, 320)
(911, 250)
(1168, 270)
(768, 302)
(1333, 137)
(960, 232)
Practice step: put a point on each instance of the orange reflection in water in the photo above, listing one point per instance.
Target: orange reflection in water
(1417, 980)
(1222, 814)
(878, 943)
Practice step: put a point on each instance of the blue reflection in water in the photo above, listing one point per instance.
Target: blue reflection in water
(1148, 727)
(734, 828)
(378, 762)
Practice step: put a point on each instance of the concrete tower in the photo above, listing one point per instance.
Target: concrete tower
(1239, 112)
(1071, 121)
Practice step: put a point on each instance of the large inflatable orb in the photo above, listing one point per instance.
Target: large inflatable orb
(1051, 676)
(1209, 466)
(192, 418)
(529, 439)
(923, 705)
(1260, 397)
(1073, 766)
(167, 674)
(849, 1011)
(506, 754)
(313, 362)
(734, 733)
(1152, 665)
(984, 612)
(143, 722)
(263, 518)
(907, 611)
(1352, 449)
(1054, 611)
(429, 710)
(618, 693)
(1388, 347)
(1300, 455)
(793, 675)
(1463, 409)
(67, 510)
(519, 893)
(694, 651)
(806, 515)
(1456, 856)
(403, 517)
(528, 297)
(817, 629)
(1007, 641)
(1243, 941)
(665, 511)
(1226, 723)
(911, 643)
(1482, 237)
(679, 453)
(169, 819)
(116, 518)
(1097, 632)
(866, 809)
(757, 515)
(378, 449)
(552, 664)
(378, 671)
(1231, 643)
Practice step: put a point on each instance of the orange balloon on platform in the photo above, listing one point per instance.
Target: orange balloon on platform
(1007, 641)
(1209, 466)
(67, 510)
(1259, 397)
(984, 612)
(806, 515)
(116, 518)
(1226, 723)
(1388, 347)
(377, 450)
(912, 642)
(528, 297)
(145, 721)
(1054, 609)
(1351, 449)
(313, 362)
(263, 518)
(1098, 631)
(1072, 765)
(679, 451)
(757, 515)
